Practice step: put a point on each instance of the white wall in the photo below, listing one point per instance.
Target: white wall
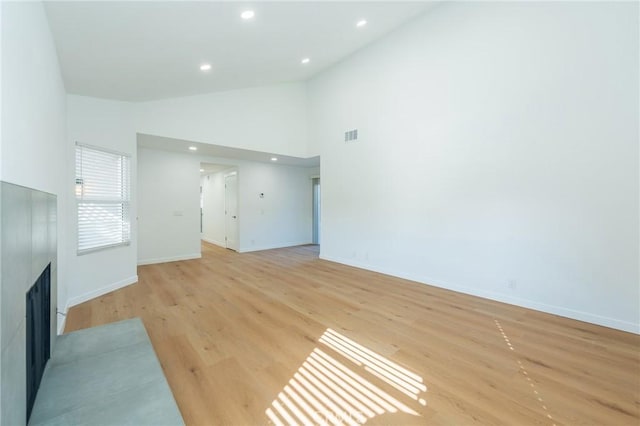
(499, 144)
(106, 124)
(1, 79)
(275, 115)
(270, 118)
(169, 183)
(33, 113)
(1, 234)
(213, 218)
(168, 206)
(32, 140)
(283, 217)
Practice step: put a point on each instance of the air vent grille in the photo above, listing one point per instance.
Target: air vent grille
(351, 135)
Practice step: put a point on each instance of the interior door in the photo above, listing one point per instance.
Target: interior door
(231, 210)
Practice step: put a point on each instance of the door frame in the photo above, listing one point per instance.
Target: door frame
(237, 208)
(315, 208)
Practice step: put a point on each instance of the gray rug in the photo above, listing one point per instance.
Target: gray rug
(107, 375)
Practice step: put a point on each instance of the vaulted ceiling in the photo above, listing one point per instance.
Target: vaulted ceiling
(148, 50)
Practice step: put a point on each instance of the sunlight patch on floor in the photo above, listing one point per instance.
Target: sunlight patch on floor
(397, 376)
(525, 373)
(324, 391)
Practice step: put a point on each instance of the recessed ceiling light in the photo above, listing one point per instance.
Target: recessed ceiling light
(205, 67)
(193, 148)
(274, 158)
(305, 61)
(361, 23)
(201, 170)
(247, 14)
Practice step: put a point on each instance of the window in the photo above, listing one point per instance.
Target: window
(102, 195)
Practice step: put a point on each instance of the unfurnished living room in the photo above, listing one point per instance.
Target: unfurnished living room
(320, 213)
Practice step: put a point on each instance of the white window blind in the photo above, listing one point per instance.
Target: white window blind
(102, 194)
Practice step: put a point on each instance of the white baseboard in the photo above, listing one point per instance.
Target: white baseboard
(273, 246)
(216, 242)
(499, 297)
(62, 318)
(92, 295)
(169, 259)
(99, 292)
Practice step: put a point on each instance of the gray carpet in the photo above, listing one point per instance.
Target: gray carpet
(107, 375)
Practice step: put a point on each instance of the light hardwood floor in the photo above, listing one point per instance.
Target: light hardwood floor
(282, 337)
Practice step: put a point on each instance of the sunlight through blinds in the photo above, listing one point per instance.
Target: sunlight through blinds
(102, 195)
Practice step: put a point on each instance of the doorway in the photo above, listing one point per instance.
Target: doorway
(215, 197)
(316, 210)
(231, 210)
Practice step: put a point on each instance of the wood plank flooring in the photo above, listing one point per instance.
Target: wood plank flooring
(282, 337)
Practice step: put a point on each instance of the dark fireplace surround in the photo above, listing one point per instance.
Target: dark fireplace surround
(38, 342)
(28, 282)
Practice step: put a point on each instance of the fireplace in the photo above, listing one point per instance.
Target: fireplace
(38, 333)
(28, 255)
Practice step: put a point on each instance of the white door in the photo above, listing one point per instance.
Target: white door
(231, 210)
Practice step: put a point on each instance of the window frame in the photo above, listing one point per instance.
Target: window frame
(124, 201)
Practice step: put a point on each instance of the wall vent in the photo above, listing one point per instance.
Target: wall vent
(351, 135)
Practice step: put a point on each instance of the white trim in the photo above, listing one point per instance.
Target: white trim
(273, 246)
(63, 321)
(100, 248)
(169, 259)
(99, 292)
(525, 303)
(99, 148)
(210, 241)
